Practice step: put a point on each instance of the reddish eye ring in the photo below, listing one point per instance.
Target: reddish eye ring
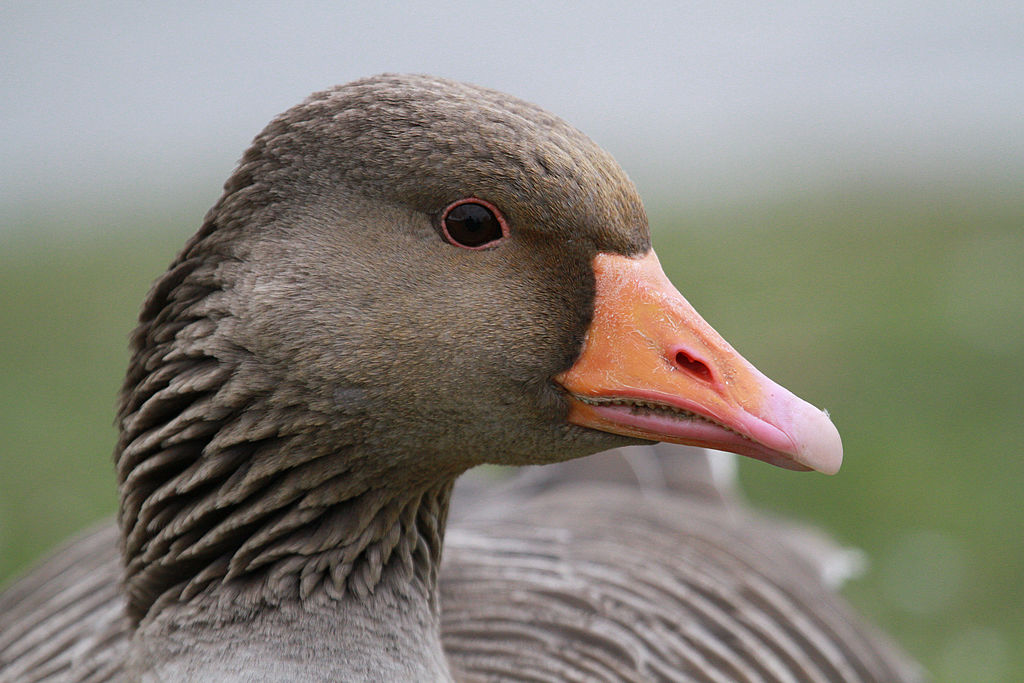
(473, 223)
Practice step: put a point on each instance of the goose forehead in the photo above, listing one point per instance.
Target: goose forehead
(425, 142)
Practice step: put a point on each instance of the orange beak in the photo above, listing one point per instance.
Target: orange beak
(651, 367)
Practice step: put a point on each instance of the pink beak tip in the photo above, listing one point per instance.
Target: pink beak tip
(818, 444)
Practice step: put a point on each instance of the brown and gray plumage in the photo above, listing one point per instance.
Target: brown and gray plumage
(323, 359)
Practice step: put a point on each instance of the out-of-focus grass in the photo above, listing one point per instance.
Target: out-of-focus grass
(902, 312)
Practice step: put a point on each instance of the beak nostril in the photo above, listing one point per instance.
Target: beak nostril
(692, 366)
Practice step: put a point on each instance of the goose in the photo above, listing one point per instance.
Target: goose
(407, 277)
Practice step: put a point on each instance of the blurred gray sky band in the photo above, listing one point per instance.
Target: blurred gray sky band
(140, 104)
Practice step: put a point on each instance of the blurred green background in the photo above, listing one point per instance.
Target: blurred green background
(900, 310)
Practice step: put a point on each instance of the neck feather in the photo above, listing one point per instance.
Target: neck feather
(229, 488)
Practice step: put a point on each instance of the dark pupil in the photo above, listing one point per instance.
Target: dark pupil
(472, 225)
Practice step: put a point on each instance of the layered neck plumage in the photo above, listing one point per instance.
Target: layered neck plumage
(235, 488)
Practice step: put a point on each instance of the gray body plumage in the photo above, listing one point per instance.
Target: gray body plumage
(312, 374)
(587, 571)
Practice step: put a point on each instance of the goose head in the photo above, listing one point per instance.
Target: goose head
(406, 277)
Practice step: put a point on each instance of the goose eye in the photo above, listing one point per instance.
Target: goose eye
(473, 224)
